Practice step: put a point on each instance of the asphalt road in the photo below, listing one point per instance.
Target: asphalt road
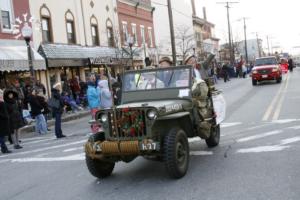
(258, 157)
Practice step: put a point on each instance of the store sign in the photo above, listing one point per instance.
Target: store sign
(107, 61)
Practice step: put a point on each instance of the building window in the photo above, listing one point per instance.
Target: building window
(71, 32)
(5, 20)
(110, 37)
(46, 30)
(95, 35)
(143, 34)
(134, 35)
(150, 37)
(125, 32)
(110, 34)
(6, 14)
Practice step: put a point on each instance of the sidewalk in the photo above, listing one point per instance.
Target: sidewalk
(65, 118)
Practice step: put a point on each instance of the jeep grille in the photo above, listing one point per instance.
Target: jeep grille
(128, 124)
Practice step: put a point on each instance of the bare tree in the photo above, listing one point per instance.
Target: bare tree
(185, 41)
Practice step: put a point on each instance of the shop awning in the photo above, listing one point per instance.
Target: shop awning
(64, 55)
(15, 58)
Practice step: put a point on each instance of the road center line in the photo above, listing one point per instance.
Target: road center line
(272, 105)
(280, 102)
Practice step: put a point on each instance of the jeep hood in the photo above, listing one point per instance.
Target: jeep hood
(157, 104)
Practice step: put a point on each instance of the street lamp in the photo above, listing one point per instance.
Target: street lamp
(130, 42)
(27, 34)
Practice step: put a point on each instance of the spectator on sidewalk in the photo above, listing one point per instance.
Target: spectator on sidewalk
(4, 124)
(225, 72)
(42, 99)
(104, 94)
(57, 107)
(40, 87)
(15, 115)
(36, 112)
(69, 101)
(75, 86)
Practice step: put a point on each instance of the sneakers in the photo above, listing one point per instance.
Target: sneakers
(18, 147)
(61, 136)
(4, 149)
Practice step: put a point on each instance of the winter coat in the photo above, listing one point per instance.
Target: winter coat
(36, 107)
(93, 96)
(105, 94)
(4, 120)
(56, 95)
(14, 110)
(42, 101)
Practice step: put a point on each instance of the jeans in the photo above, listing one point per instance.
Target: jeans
(2, 142)
(40, 124)
(58, 131)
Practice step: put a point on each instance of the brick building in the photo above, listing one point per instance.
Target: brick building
(136, 21)
(13, 52)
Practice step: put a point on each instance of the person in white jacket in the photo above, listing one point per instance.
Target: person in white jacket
(105, 94)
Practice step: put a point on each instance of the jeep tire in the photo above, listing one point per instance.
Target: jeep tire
(254, 82)
(176, 153)
(98, 168)
(214, 137)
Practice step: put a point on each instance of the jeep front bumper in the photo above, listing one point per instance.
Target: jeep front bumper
(120, 148)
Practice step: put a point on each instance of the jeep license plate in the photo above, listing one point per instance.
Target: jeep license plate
(150, 146)
(265, 76)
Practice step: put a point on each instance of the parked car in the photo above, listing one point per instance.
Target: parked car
(160, 109)
(266, 69)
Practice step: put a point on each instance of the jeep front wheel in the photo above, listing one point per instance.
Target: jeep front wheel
(98, 168)
(214, 137)
(176, 153)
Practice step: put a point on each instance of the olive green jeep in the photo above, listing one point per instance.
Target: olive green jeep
(161, 108)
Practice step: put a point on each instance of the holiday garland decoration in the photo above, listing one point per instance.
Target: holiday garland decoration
(131, 122)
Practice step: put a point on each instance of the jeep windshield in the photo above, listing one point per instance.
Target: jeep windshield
(265, 61)
(157, 79)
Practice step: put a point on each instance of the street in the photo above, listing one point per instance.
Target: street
(258, 156)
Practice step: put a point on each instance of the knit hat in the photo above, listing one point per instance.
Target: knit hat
(57, 86)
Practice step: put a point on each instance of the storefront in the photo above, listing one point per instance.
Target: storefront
(64, 62)
(14, 63)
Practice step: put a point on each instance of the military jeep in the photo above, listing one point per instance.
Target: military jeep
(161, 108)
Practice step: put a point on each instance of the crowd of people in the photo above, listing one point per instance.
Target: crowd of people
(20, 105)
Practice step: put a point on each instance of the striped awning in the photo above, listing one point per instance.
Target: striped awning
(15, 58)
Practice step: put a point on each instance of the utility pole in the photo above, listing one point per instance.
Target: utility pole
(172, 32)
(227, 6)
(245, 33)
(258, 45)
(268, 45)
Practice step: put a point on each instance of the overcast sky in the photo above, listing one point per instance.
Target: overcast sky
(276, 18)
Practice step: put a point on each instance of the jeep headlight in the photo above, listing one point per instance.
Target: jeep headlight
(254, 72)
(275, 70)
(103, 117)
(152, 114)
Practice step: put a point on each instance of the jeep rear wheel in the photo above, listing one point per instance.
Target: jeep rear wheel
(214, 137)
(98, 168)
(176, 153)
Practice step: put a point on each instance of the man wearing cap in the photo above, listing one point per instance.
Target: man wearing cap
(56, 104)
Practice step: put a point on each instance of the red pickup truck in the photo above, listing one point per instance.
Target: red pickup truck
(266, 69)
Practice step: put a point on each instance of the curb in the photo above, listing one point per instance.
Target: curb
(65, 118)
